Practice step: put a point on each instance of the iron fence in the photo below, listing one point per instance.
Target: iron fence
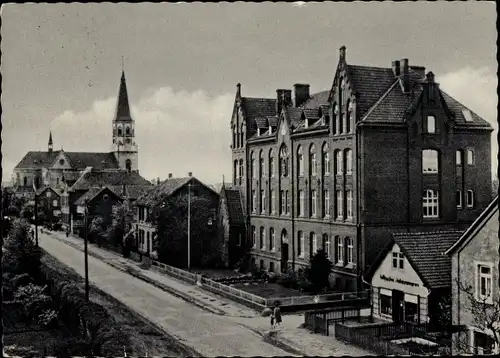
(175, 272)
(330, 297)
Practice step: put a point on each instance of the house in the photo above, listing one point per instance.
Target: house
(412, 276)
(475, 260)
(322, 170)
(48, 201)
(58, 168)
(171, 188)
(232, 225)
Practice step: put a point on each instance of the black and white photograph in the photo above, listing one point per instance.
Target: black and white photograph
(250, 179)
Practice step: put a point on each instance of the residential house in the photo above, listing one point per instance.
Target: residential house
(475, 260)
(99, 202)
(48, 201)
(324, 170)
(411, 278)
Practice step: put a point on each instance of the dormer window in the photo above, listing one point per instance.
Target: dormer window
(431, 124)
(467, 115)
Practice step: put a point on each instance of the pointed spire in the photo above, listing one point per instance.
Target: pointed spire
(50, 141)
(122, 106)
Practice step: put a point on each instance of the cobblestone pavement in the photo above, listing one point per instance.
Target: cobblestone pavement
(231, 314)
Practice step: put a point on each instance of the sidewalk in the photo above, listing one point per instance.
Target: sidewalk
(289, 336)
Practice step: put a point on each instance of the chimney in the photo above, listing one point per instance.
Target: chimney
(419, 69)
(405, 76)
(431, 87)
(190, 174)
(342, 53)
(430, 77)
(169, 175)
(396, 68)
(301, 94)
(238, 90)
(158, 181)
(284, 97)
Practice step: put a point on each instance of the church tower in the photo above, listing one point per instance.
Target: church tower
(124, 147)
(50, 142)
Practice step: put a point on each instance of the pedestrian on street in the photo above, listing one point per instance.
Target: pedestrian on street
(277, 313)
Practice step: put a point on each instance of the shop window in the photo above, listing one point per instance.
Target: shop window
(385, 305)
(483, 344)
(411, 312)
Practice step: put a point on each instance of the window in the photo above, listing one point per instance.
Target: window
(261, 265)
(254, 239)
(284, 161)
(431, 124)
(326, 160)
(242, 136)
(334, 118)
(430, 204)
(398, 260)
(272, 206)
(349, 204)
(262, 169)
(430, 161)
(301, 203)
(239, 239)
(262, 238)
(484, 282)
(283, 202)
(57, 181)
(470, 157)
(470, 199)
(252, 168)
(313, 202)
(271, 239)
(300, 161)
(312, 160)
(326, 203)
(54, 203)
(105, 197)
(340, 250)
(338, 162)
(458, 157)
(467, 115)
(348, 117)
(340, 204)
(48, 194)
(254, 200)
(411, 312)
(300, 244)
(326, 245)
(128, 165)
(271, 266)
(235, 172)
(385, 305)
(271, 163)
(287, 197)
(350, 250)
(483, 344)
(348, 161)
(459, 199)
(262, 201)
(313, 245)
(241, 170)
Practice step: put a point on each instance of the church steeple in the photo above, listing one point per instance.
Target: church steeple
(50, 141)
(122, 106)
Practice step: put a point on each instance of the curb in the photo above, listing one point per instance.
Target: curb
(269, 338)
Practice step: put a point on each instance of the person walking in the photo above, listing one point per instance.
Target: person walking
(277, 313)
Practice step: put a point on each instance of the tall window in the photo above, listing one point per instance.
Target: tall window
(252, 162)
(312, 159)
(430, 161)
(241, 170)
(338, 162)
(340, 204)
(271, 239)
(470, 199)
(242, 135)
(283, 202)
(340, 250)
(313, 202)
(350, 250)
(272, 206)
(349, 204)
(484, 282)
(300, 244)
(300, 161)
(335, 119)
(262, 168)
(459, 157)
(326, 203)
(254, 239)
(430, 204)
(262, 238)
(459, 199)
(348, 161)
(326, 245)
(326, 160)
(313, 245)
(470, 157)
(254, 201)
(271, 163)
(262, 201)
(287, 197)
(431, 124)
(301, 202)
(284, 161)
(235, 172)
(350, 117)
(398, 260)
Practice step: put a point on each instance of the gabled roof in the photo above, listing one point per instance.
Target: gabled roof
(98, 178)
(132, 192)
(475, 227)
(316, 100)
(234, 205)
(258, 107)
(36, 160)
(163, 190)
(45, 188)
(456, 108)
(425, 252)
(92, 193)
(78, 160)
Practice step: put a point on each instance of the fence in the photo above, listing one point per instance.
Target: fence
(241, 296)
(312, 299)
(320, 321)
(175, 272)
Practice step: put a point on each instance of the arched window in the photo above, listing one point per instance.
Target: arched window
(235, 172)
(241, 171)
(262, 168)
(119, 131)
(326, 159)
(128, 165)
(254, 241)
(300, 244)
(326, 245)
(25, 181)
(430, 204)
(262, 237)
(349, 117)
(341, 88)
(234, 137)
(271, 239)
(431, 124)
(300, 161)
(312, 160)
(459, 157)
(127, 130)
(252, 165)
(430, 161)
(338, 162)
(242, 136)
(348, 161)
(313, 244)
(335, 115)
(271, 163)
(284, 161)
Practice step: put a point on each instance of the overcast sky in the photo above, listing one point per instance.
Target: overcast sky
(61, 65)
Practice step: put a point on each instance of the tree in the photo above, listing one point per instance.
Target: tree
(97, 230)
(170, 217)
(27, 211)
(122, 219)
(319, 270)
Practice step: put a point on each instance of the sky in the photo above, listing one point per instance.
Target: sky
(61, 67)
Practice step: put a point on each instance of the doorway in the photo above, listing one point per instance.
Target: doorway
(398, 304)
(284, 252)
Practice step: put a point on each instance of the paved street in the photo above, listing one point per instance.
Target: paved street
(209, 334)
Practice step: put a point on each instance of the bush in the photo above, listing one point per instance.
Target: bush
(288, 280)
(318, 272)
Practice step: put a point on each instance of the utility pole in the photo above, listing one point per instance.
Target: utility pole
(86, 253)
(36, 212)
(189, 226)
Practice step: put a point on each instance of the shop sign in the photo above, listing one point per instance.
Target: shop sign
(398, 280)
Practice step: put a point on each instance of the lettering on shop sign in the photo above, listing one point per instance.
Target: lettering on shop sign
(398, 280)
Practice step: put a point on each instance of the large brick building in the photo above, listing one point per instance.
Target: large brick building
(384, 150)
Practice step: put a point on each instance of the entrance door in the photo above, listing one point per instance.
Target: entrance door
(284, 257)
(398, 303)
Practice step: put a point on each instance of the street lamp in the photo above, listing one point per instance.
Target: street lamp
(36, 219)
(86, 252)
